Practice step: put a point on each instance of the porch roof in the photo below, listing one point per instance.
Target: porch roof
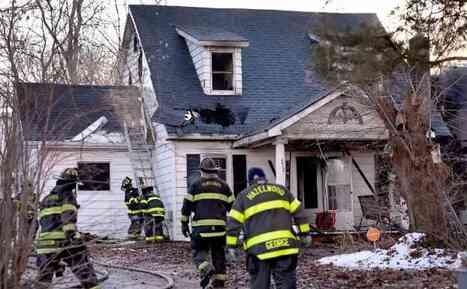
(278, 128)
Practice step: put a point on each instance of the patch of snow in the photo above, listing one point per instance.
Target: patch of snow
(405, 254)
(100, 122)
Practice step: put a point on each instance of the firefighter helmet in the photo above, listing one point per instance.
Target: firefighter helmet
(70, 174)
(126, 184)
(208, 165)
(256, 175)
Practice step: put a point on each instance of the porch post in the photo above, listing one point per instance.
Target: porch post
(280, 161)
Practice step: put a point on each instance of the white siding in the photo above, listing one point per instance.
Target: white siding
(101, 212)
(164, 166)
(366, 161)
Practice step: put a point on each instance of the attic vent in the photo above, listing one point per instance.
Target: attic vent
(222, 71)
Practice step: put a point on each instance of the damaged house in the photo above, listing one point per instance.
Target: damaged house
(236, 85)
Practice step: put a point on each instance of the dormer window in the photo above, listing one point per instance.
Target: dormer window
(217, 58)
(222, 71)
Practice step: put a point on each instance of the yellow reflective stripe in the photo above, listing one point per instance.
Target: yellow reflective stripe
(294, 206)
(69, 207)
(161, 210)
(220, 277)
(184, 218)
(208, 222)
(277, 253)
(304, 228)
(50, 211)
(69, 227)
(236, 215)
(48, 250)
(133, 200)
(41, 243)
(232, 240)
(95, 287)
(261, 238)
(211, 196)
(189, 197)
(278, 204)
(231, 199)
(154, 238)
(52, 235)
(214, 234)
(153, 198)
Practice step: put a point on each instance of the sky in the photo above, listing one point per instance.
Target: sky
(381, 7)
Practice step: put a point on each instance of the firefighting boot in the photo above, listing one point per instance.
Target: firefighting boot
(206, 272)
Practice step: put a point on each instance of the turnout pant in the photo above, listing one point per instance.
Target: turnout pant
(76, 258)
(136, 223)
(282, 270)
(153, 228)
(201, 247)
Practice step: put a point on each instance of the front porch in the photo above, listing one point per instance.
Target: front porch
(325, 154)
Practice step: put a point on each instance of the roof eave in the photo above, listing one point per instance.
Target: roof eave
(211, 42)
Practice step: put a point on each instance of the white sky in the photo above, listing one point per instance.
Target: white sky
(381, 7)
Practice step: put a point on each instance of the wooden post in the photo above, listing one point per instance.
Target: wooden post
(280, 161)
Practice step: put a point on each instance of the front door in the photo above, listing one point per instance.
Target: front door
(309, 185)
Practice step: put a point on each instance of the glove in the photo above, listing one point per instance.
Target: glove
(185, 230)
(232, 254)
(306, 241)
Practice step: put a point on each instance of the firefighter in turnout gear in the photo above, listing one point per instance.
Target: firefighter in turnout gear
(133, 202)
(154, 213)
(208, 200)
(267, 213)
(58, 240)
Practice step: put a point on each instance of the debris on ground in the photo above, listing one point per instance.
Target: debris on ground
(407, 253)
(174, 259)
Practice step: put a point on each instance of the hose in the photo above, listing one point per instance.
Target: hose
(170, 281)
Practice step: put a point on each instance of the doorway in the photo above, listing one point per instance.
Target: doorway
(309, 184)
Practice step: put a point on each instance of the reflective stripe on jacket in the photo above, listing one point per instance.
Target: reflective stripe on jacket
(133, 202)
(266, 213)
(152, 206)
(207, 202)
(57, 218)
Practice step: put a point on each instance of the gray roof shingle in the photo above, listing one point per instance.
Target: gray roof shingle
(57, 112)
(276, 75)
(201, 33)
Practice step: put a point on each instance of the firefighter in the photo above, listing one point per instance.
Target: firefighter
(207, 202)
(59, 241)
(154, 213)
(267, 213)
(134, 205)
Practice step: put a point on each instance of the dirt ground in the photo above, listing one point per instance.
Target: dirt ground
(174, 259)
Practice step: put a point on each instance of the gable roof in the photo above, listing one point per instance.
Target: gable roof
(275, 66)
(57, 112)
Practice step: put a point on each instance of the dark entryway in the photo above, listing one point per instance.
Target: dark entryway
(307, 181)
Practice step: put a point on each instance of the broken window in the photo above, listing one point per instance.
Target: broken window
(222, 71)
(94, 176)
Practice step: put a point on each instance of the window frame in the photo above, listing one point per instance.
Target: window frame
(97, 162)
(235, 55)
(345, 181)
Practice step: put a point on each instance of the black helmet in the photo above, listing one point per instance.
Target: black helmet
(208, 165)
(70, 174)
(147, 190)
(126, 184)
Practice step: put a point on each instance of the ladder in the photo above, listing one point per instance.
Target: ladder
(140, 153)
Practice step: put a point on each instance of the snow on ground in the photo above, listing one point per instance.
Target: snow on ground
(405, 254)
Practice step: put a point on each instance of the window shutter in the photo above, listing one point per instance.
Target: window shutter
(239, 173)
(192, 168)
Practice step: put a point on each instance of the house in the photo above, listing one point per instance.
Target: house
(237, 85)
(80, 127)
